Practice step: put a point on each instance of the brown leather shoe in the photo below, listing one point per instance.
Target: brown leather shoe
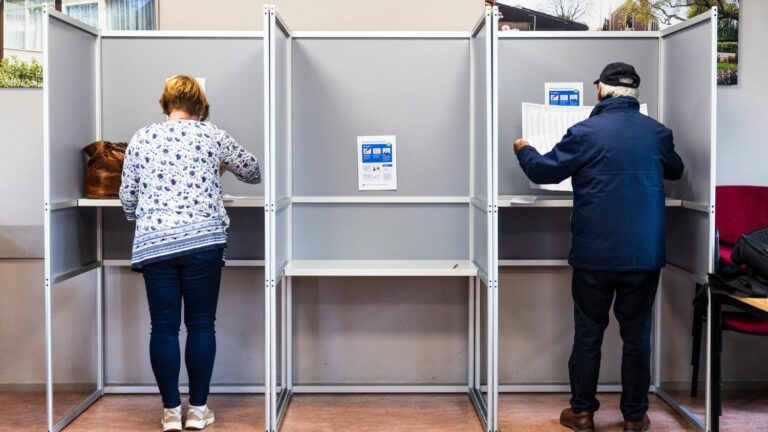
(638, 426)
(581, 422)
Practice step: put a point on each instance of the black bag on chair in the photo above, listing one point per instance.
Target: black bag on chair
(751, 249)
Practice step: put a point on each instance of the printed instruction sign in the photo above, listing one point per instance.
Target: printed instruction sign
(545, 125)
(564, 93)
(376, 163)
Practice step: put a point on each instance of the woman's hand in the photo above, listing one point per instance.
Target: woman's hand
(222, 169)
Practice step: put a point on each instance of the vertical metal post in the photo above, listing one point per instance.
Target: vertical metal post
(288, 378)
(47, 224)
(493, 305)
(478, 303)
(283, 334)
(100, 299)
(471, 348)
(267, 229)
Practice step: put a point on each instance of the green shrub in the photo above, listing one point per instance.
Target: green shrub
(15, 73)
(728, 47)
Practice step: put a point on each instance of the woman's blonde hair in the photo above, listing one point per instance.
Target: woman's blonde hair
(184, 93)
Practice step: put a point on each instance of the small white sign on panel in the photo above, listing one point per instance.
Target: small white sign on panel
(376, 162)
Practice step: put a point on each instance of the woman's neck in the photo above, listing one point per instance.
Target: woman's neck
(181, 115)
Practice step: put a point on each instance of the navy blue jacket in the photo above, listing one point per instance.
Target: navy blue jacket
(618, 159)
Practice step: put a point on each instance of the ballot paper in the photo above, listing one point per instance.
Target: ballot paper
(545, 125)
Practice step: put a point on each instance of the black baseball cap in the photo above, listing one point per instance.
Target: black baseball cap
(619, 74)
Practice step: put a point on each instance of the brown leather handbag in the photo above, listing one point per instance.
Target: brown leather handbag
(104, 169)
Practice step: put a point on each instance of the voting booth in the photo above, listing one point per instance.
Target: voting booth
(380, 251)
(385, 190)
(677, 68)
(105, 85)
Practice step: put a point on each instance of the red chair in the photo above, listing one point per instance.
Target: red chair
(739, 210)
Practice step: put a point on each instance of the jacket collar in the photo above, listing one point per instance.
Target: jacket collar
(616, 103)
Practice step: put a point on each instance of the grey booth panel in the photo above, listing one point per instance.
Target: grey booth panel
(536, 328)
(480, 238)
(73, 239)
(239, 329)
(676, 299)
(534, 233)
(480, 145)
(134, 71)
(71, 106)
(380, 331)
(688, 240)
(281, 228)
(282, 169)
(525, 64)
(380, 231)
(688, 108)
(73, 340)
(244, 242)
(416, 89)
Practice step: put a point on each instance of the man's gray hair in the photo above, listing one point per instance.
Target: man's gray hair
(616, 91)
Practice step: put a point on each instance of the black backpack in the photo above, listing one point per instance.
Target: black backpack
(751, 249)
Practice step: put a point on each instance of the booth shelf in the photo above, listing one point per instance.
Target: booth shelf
(113, 202)
(554, 201)
(381, 268)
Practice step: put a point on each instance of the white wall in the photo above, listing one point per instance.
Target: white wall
(742, 109)
(24, 55)
(321, 14)
(21, 165)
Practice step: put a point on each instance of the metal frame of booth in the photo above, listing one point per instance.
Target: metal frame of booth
(281, 204)
(84, 253)
(694, 197)
(75, 230)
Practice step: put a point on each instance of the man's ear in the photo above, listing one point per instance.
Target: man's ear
(599, 92)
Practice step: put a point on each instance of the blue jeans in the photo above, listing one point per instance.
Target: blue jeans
(194, 278)
(593, 293)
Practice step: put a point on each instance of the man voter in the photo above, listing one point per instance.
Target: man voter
(617, 160)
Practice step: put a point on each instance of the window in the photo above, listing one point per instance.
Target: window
(24, 24)
(87, 12)
(130, 14)
(117, 14)
(24, 18)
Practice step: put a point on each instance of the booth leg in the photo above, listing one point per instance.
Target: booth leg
(471, 348)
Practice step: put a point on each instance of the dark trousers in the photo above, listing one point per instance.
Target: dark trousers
(593, 293)
(194, 278)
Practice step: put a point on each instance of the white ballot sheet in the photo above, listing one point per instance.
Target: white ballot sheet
(376, 163)
(545, 125)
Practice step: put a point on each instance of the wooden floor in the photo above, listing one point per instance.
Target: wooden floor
(538, 412)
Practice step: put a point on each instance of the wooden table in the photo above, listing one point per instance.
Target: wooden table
(752, 305)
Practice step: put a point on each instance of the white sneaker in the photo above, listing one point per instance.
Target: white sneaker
(197, 420)
(172, 420)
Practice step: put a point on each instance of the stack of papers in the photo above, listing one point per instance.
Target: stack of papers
(545, 125)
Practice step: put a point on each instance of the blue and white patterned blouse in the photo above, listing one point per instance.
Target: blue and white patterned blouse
(172, 188)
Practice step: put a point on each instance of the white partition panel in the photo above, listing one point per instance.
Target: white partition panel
(483, 217)
(527, 60)
(689, 92)
(135, 66)
(70, 123)
(334, 87)
(280, 212)
(688, 95)
(534, 240)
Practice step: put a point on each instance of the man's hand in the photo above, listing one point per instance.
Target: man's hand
(519, 144)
